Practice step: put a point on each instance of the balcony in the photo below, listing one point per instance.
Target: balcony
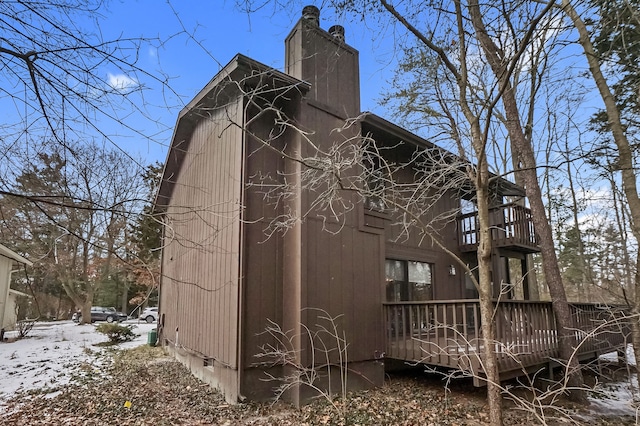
(447, 334)
(511, 228)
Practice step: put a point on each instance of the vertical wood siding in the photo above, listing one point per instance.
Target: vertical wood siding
(201, 258)
(342, 265)
(262, 263)
(416, 246)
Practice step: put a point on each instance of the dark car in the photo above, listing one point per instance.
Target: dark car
(99, 313)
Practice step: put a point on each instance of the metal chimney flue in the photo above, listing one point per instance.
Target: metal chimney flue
(312, 15)
(337, 32)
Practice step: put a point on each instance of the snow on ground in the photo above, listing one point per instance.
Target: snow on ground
(53, 353)
(617, 398)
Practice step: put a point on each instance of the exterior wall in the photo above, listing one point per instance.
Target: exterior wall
(262, 260)
(341, 270)
(322, 265)
(201, 257)
(414, 245)
(5, 280)
(417, 247)
(343, 264)
(10, 314)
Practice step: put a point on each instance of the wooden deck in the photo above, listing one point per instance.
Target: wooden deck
(447, 334)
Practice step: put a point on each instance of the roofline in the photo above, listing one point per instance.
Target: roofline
(404, 134)
(511, 188)
(239, 68)
(19, 293)
(6, 252)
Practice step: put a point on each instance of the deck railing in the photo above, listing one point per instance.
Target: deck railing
(447, 333)
(511, 226)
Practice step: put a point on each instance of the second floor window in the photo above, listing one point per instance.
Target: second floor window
(376, 184)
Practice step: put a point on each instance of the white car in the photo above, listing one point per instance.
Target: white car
(149, 315)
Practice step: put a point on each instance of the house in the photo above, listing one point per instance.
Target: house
(9, 263)
(266, 241)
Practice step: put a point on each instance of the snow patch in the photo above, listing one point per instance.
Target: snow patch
(53, 353)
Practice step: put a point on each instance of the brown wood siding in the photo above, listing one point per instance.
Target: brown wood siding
(342, 265)
(344, 279)
(418, 247)
(263, 250)
(415, 245)
(330, 66)
(199, 293)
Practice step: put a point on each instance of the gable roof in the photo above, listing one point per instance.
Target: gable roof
(229, 83)
(241, 72)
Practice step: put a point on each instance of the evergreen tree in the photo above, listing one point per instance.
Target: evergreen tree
(146, 236)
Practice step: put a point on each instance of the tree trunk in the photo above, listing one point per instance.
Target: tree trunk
(489, 359)
(529, 172)
(625, 154)
(86, 313)
(125, 297)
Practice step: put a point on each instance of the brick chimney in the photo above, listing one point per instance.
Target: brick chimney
(323, 59)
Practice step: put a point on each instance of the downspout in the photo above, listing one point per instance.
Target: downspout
(160, 324)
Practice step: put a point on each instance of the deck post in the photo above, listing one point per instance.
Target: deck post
(550, 370)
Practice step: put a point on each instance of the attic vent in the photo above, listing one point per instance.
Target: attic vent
(312, 15)
(337, 32)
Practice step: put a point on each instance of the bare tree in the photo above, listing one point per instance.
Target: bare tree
(65, 82)
(615, 124)
(74, 219)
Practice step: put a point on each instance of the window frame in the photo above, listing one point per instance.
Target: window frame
(406, 292)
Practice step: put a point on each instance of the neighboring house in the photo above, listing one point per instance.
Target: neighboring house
(230, 269)
(11, 311)
(9, 262)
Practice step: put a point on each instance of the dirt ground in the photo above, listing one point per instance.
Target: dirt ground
(143, 387)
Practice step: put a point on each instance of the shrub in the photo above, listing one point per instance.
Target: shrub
(24, 328)
(117, 333)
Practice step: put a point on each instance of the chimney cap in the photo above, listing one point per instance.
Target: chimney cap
(311, 14)
(337, 32)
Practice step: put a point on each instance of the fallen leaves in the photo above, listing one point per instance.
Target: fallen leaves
(142, 387)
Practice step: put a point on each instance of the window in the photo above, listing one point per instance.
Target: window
(408, 280)
(375, 190)
(375, 178)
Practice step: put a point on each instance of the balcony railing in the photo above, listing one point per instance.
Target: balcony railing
(511, 227)
(448, 334)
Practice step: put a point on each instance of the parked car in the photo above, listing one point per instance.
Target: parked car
(149, 315)
(100, 313)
